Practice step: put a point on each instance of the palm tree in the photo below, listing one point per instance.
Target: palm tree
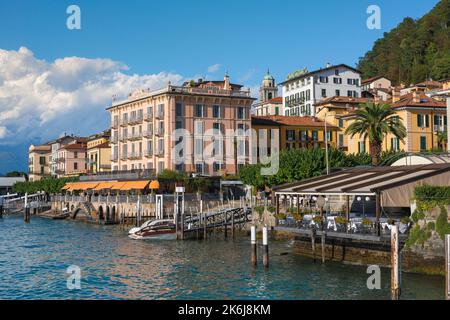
(442, 140)
(375, 121)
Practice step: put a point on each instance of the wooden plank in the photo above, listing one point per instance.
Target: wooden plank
(395, 264)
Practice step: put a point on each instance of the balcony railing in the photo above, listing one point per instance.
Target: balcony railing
(148, 153)
(120, 175)
(115, 124)
(440, 128)
(123, 137)
(159, 152)
(135, 155)
(159, 114)
(114, 158)
(148, 134)
(148, 117)
(115, 140)
(159, 131)
(211, 91)
(135, 136)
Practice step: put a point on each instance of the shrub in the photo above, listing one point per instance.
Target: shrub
(431, 225)
(405, 220)
(367, 222)
(271, 209)
(341, 220)
(259, 210)
(442, 225)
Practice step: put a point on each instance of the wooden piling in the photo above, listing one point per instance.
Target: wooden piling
(447, 266)
(313, 243)
(323, 245)
(395, 265)
(26, 216)
(204, 225)
(265, 247)
(225, 222)
(232, 224)
(253, 243)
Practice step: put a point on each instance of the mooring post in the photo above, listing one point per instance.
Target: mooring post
(204, 225)
(313, 242)
(447, 266)
(323, 245)
(253, 242)
(232, 224)
(225, 221)
(265, 247)
(395, 265)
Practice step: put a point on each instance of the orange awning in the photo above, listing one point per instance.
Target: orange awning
(135, 185)
(104, 185)
(118, 185)
(81, 186)
(67, 186)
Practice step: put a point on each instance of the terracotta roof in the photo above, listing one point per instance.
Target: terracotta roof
(276, 100)
(104, 145)
(343, 100)
(407, 100)
(74, 146)
(293, 121)
(369, 80)
(430, 83)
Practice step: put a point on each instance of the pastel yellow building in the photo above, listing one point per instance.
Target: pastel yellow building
(423, 117)
(38, 162)
(99, 153)
(296, 132)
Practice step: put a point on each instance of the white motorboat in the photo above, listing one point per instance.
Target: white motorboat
(154, 229)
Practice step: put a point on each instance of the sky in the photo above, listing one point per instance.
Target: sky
(54, 80)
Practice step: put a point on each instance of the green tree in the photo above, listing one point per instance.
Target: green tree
(442, 140)
(374, 121)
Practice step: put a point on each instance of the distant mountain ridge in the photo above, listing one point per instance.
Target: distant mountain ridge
(414, 51)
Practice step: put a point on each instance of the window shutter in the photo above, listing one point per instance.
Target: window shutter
(419, 120)
(427, 122)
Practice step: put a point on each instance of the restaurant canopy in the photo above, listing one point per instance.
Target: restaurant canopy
(107, 185)
(393, 186)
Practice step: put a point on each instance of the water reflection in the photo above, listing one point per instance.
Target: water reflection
(34, 258)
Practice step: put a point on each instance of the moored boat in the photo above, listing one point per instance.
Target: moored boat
(154, 229)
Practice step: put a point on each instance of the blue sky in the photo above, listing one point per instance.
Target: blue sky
(180, 38)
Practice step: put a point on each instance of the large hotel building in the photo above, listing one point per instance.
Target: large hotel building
(205, 115)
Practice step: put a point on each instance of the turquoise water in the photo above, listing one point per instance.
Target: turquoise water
(34, 258)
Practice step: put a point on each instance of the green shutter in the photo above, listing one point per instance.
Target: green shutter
(427, 122)
(419, 120)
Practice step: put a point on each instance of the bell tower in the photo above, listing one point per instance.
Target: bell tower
(268, 89)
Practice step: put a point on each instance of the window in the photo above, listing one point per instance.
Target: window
(75, 166)
(341, 140)
(216, 111)
(323, 79)
(178, 110)
(290, 134)
(423, 143)
(216, 128)
(395, 144)
(361, 147)
(315, 135)
(341, 123)
(199, 167)
(241, 113)
(324, 93)
(198, 148)
(423, 121)
(199, 109)
(150, 148)
(336, 72)
(75, 154)
(337, 80)
(179, 167)
(160, 166)
(277, 111)
(42, 161)
(198, 127)
(338, 93)
(178, 124)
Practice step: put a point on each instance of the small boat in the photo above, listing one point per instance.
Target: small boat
(154, 229)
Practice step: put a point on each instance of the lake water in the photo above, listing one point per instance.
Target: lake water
(34, 258)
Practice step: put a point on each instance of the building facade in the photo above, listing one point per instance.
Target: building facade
(38, 162)
(190, 128)
(303, 89)
(99, 152)
(293, 133)
(424, 118)
(269, 102)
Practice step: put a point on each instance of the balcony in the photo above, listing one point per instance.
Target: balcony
(159, 152)
(148, 134)
(124, 138)
(114, 158)
(135, 155)
(159, 115)
(159, 131)
(115, 124)
(135, 136)
(148, 154)
(440, 128)
(134, 121)
(123, 157)
(124, 122)
(115, 140)
(148, 117)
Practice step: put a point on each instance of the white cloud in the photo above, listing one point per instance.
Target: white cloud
(40, 99)
(214, 68)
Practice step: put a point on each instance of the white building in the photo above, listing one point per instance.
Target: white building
(303, 89)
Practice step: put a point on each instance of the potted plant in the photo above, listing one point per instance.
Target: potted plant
(281, 218)
(341, 223)
(259, 210)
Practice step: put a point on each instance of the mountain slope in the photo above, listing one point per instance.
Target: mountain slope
(414, 51)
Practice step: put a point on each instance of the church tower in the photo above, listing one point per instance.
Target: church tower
(268, 89)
